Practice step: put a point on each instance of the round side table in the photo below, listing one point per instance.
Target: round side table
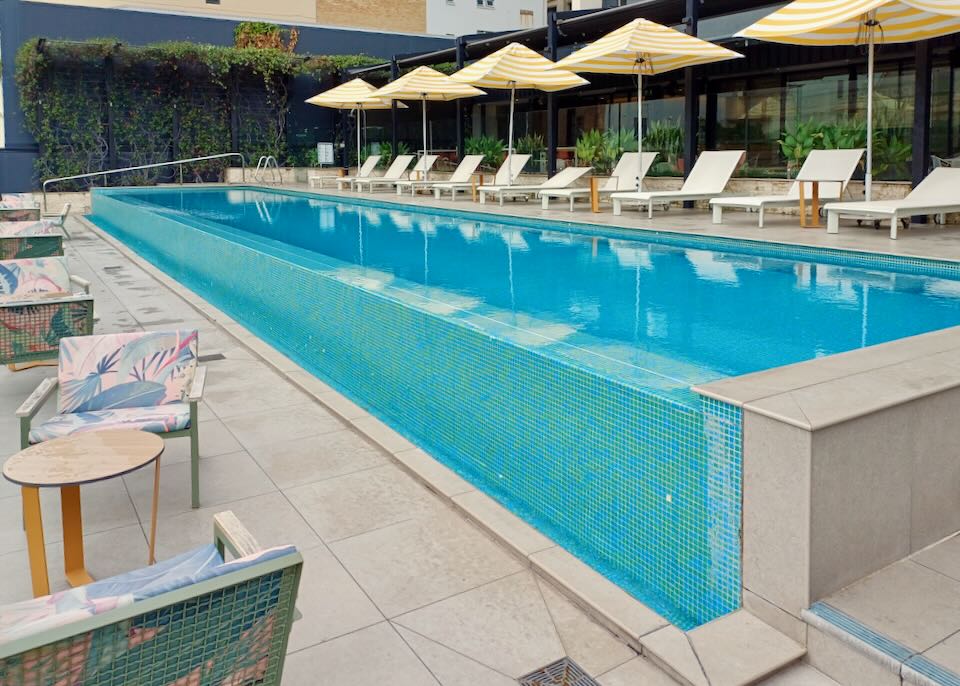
(67, 463)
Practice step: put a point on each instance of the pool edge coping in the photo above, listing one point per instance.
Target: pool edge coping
(605, 602)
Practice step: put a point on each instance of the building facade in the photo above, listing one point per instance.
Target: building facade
(436, 17)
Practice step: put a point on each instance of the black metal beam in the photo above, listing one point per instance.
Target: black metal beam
(461, 110)
(552, 109)
(394, 119)
(921, 113)
(691, 97)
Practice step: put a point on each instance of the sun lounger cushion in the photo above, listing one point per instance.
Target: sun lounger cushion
(40, 228)
(126, 370)
(65, 607)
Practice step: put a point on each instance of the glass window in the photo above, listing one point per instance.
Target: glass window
(945, 110)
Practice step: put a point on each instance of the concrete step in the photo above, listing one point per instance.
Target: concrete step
(853, 654)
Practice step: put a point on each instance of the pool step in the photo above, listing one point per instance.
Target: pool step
(852, 653)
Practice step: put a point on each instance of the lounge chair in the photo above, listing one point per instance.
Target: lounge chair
(195, 618)
(511, 168)
(819, 164)
(22, 240)
(38, 307)
(468, 165)
(938, 194)
(626, 176)
(394, 172)
(419, 171)
(562, 179)
(366, 169)
(146, 380)
(707, 180)
(19, 211)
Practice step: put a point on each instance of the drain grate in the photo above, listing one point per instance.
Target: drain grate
(563, 672)
(212, 357)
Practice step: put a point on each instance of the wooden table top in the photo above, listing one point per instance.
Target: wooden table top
(83, 458)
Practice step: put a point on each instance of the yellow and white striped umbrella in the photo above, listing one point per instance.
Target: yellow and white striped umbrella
(352, 95)
(858, 22)
(644, 48)
(516, 66)
(424, 83)
(850, 22)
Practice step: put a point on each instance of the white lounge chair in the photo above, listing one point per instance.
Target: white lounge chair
(468, 165)
(707, 179)
(420, 169)
(394, 172)
(511, 168)
(366, 169)
(819, 164)
(562, 179)
(626, 176)
(937, 194)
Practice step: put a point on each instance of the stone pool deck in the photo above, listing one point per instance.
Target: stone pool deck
(399, 586)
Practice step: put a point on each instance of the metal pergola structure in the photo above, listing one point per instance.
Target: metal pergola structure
(719, 19)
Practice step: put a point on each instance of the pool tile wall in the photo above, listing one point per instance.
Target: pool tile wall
(642, 487)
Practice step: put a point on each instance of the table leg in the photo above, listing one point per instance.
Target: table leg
(803, 206)
(33, 524)
(594, 195)
(815, 206)
(151, 559)
(73, 564)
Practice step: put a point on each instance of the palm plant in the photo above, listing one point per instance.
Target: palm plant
(387, 153)
(491, 148)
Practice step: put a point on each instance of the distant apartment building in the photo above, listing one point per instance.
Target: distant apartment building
(436, 17)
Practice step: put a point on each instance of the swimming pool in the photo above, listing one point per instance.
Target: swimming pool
(549, 365)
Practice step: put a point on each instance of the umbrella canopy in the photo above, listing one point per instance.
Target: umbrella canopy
(517, 66)
(352, 95)
(424, 83)
(858, 22)
(643, 47)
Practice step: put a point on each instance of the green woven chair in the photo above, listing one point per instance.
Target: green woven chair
(38, 307)
(192, 620)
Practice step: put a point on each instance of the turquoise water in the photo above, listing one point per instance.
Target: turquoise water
(551, 368)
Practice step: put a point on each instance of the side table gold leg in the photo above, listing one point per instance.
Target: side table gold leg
(73, 563)
(33, 524)
(151, 559)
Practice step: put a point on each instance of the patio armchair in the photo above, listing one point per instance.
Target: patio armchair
(21, 240)
(146, 380)
(38, 307)
(193, 619)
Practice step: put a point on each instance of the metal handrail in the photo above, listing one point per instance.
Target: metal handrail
(263, 164)
(179, 163)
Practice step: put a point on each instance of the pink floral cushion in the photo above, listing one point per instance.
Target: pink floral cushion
(34, 276)
(158, 420)
(126, 370)
(40, 228)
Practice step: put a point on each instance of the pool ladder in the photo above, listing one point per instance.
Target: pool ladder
(267, 163)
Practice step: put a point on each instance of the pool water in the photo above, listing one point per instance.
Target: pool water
(552, 368)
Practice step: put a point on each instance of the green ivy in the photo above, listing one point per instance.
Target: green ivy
(162, 96)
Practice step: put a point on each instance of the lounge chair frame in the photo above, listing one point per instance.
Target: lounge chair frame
(623, 179)
(198, 627)
(561, 179)
(517, 163)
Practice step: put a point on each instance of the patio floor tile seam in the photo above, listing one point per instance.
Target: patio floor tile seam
(451, 649)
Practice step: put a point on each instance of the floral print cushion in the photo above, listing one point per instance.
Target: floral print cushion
(17, 212)
(40, 228)
(159, 420)
(65, 607)
(34, 276)
(23, 199)
(128, 370)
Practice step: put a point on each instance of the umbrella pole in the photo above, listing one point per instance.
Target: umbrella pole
(358, 138)
(868, 176)
(639, 125)
(424, 157)
(513, 92)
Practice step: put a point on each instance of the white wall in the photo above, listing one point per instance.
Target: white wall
(457, 17)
